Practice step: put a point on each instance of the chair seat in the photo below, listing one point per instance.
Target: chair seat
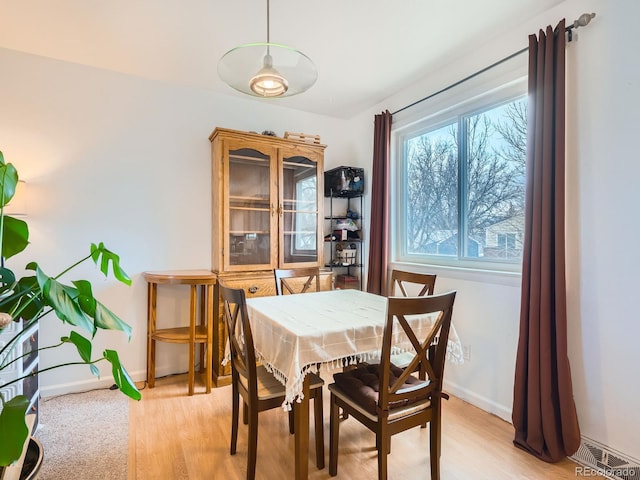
(394, 414)
(360, 388)
(270, 387)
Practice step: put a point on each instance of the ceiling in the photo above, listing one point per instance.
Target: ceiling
(364, 50)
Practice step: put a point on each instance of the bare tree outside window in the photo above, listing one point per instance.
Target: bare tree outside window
(465, 186)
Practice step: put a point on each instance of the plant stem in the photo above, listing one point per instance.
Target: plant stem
(11, 343)
(72, 266)
(18, 311)
(50, 368)
(5, 365)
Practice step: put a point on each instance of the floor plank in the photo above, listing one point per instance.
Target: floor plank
(174, 437)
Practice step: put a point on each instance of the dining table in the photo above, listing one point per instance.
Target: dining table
(296, 334)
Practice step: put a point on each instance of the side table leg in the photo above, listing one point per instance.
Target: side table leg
(209, 320)
(152, 294)
(202, 312)
(192, 337)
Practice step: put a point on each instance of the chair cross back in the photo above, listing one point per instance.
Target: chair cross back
(401, 278)
(421, 358)
(237, 319)
(429, 356)
(286, 280)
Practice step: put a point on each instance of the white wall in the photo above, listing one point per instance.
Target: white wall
(602, 262)
(123, 160)
(118, 159)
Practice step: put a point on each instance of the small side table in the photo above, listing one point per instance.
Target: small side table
(201, 333)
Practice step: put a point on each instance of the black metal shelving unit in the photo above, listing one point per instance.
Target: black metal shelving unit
(353, 202)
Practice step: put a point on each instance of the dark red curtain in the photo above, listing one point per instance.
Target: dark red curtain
(379, 227)
(544, 413)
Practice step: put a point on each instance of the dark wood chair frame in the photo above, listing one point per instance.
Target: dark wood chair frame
(431, 354)
(428, 283)
(285, 286)
(243, 361)
(401, 277)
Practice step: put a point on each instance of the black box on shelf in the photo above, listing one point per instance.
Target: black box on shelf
(344, 182)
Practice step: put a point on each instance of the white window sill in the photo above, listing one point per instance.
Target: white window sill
(463, 273)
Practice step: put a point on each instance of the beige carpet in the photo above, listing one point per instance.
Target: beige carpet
(85, 436)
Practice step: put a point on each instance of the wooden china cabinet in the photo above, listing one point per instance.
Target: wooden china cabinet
(267, 201)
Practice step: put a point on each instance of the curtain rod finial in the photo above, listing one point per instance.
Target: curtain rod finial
(583, 20)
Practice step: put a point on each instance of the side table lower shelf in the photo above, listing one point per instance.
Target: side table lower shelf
(194, 334)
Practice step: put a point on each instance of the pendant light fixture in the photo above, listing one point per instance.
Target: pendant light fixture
(267, 69)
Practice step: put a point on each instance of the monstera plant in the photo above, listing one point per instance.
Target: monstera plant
(37, 295)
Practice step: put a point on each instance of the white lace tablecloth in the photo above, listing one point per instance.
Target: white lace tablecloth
(294, 333)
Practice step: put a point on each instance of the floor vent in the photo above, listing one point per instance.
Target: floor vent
(594, 457)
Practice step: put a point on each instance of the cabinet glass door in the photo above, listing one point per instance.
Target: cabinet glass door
(299, 211)
(250, 211)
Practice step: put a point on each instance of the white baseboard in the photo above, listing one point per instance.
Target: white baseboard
(594, 458)
(479, 401)
(86, 385)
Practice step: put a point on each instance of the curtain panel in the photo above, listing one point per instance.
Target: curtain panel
(544, 414)
(379, 227)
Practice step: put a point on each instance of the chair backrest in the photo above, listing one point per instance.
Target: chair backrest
(426, 282)
(429, 352)
(297, 280)
(243, 355)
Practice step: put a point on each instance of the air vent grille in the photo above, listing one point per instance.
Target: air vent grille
(597, 458)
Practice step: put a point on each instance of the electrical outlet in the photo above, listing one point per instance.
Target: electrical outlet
(466, 353)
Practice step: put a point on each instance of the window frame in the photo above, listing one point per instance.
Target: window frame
(296, 248)
(445, 111)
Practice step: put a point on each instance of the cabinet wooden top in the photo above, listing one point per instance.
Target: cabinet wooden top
(225, 132)
(181, 277)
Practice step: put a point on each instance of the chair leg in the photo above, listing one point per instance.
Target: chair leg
(319, 428)
(334, 433)
(235, 417)
(383, 441)
(252, 443)
(245, 413)
(347, 368)
(423, 376)
(291, 422)
(434, 440)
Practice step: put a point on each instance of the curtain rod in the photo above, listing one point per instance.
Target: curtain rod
(582, 21)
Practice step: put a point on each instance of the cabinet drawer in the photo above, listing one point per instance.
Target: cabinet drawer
(263, 285)
(252, 286)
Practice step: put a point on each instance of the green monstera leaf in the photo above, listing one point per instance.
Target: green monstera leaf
(31, 297)
(14, 429)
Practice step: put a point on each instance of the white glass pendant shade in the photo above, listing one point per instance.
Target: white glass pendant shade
(267, 70)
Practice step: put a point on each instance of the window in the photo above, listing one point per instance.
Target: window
(461, 186)
(306, 222)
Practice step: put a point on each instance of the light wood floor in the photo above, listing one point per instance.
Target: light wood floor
(173, 436)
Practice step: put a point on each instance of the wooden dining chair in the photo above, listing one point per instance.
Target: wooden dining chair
(387, 399)
(297, 280)
(411, 284)
(259, 389)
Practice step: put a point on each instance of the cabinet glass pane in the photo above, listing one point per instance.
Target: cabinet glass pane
(300, 210)
(249, 208)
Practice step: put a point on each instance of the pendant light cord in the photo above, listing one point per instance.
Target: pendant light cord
(268, 21)
(268, 40)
